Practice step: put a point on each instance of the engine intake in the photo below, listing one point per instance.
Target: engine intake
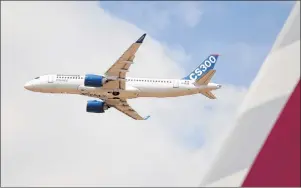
(95, 106)
(93, 80)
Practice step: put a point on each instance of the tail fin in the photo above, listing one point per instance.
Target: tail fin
(207, 65)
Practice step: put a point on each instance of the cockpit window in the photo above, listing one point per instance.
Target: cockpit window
(37, 77)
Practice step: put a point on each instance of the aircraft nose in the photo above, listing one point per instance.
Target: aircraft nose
(28, 86)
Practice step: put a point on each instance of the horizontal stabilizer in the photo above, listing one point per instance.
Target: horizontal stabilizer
(206, 78)
(208, 94)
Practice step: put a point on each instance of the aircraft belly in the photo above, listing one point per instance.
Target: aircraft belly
(155, 89)
(163, 92)
(134, 92)
(128, 94)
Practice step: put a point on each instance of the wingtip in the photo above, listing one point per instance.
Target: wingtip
(215, 54)
(140, 40)
(146, 117)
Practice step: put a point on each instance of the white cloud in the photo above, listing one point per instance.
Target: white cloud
(49, 140)
(190, 12)
(158, 16)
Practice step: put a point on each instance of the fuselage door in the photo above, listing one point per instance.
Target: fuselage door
(50, 78)
(176, 83)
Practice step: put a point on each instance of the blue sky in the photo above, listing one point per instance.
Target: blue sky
(242, 32)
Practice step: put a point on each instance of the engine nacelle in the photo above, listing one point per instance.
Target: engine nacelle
(93, 80)
(95, 106)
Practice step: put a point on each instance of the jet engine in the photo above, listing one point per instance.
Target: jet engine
(93, 80)
(94, 106)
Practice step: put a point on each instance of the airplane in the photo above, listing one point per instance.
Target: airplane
(114, 87)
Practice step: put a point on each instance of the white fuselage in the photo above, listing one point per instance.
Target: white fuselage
(134, 87)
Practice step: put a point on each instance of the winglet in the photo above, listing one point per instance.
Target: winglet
(140, 40)
(146, 117)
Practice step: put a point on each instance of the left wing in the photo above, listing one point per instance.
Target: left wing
(117, 72)
(125, 108)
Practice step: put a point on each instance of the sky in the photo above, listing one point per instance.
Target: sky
(49, 140)
(242, 32)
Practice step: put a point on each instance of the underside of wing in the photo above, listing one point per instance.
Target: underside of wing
(125, 108)
(117, 72)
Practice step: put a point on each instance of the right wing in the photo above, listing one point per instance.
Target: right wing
(125, 108)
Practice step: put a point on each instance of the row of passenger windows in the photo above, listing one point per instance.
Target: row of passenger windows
(135, 80)
(138, 80)
(70, 77)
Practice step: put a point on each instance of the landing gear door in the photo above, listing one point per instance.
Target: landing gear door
(50, 78)
(176, 83)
